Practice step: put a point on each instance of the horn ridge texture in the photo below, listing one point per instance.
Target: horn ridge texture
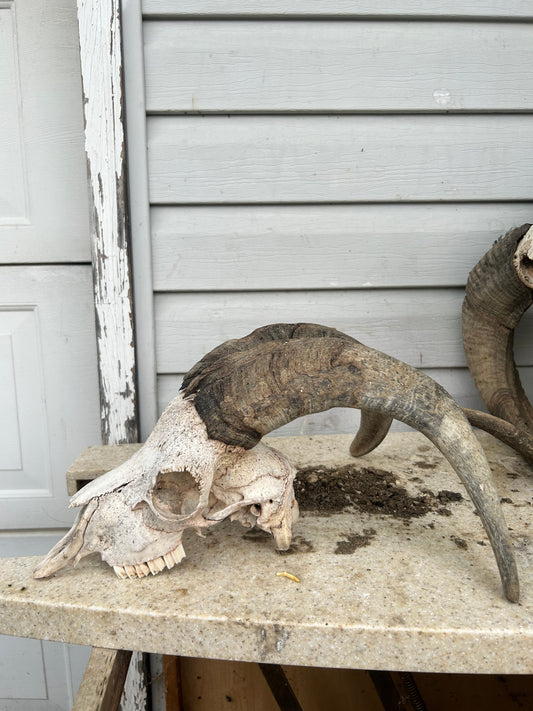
(494, 303)
(373, 427)
(252, 392)
(264, 334)
(247, 394)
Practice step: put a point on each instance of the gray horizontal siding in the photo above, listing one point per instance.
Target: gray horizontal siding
(488, 9)
(347, 173)
(338, 66)
(282, 159)
(421, 327)
(223, 248)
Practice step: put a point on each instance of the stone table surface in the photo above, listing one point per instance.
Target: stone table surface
(376, 591)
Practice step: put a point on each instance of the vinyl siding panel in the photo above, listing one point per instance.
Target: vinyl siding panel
(443, 9)
(227, 247)
(334, 66)
(421, 327)
(317, 159)
(341, 163)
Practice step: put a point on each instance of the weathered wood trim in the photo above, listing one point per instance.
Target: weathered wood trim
(101, 66)
(103, 681)
(103, 94)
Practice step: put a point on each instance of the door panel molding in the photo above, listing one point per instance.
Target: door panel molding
(43, 189)
(14, 192)
(24, 448)
(48, 355)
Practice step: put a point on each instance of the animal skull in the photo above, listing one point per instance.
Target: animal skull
(204, 460)
(135, 515)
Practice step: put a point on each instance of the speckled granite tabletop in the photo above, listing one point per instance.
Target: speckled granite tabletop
(408, 582)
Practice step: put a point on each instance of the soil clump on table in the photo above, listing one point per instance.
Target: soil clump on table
(376, 491)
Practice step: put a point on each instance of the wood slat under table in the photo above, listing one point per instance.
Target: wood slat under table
(402, 580)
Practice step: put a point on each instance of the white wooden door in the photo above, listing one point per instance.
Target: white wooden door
(43, 178)
(49, 401)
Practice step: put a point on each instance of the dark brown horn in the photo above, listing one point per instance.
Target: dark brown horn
(373, 427)
(250, 393)
(264, 334)
(496, 298)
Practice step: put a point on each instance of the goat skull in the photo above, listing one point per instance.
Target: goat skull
(204, 461)
(136, 514)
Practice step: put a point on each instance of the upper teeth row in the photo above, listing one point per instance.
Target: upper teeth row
(154, 566)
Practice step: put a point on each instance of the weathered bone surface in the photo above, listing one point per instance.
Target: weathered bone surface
(204, 461)
(498, 292)
(523, 259)
(135, 515)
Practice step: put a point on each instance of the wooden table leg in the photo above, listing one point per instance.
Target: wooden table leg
(172, 679)
(280, 687)
(103, 681)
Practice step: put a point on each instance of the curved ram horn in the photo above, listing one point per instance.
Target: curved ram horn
(496, 298)
(264, 334)
(372, 431)
(373, 427)
(249, 393)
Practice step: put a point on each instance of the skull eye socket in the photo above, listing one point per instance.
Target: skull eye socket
(175, 494)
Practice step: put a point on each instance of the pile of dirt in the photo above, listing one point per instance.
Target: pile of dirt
(376, 491)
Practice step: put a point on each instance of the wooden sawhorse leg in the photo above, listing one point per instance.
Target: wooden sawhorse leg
(103, 681)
